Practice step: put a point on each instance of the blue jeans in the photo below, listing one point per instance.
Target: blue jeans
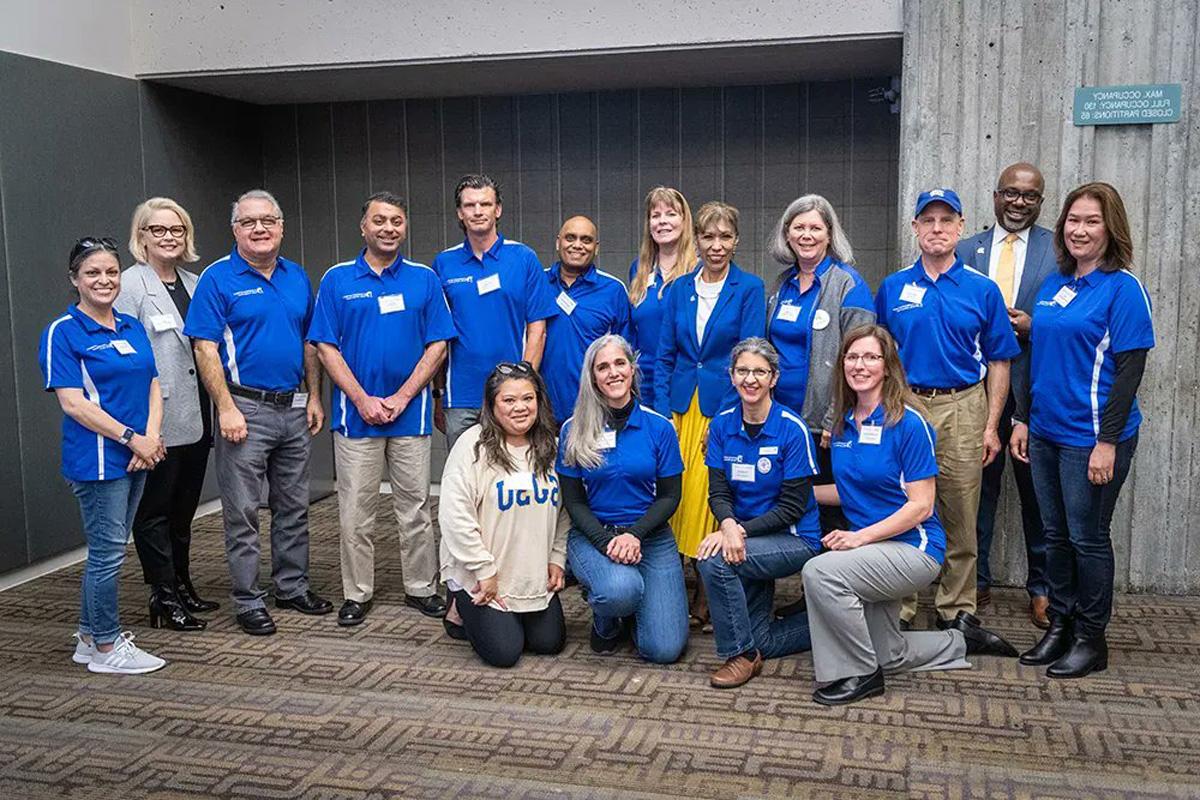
(1077, 517)
(651, 591)
(108, 509)
(741, 597)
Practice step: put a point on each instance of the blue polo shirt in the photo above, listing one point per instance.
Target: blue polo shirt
(791, 329)
(382, 325)
(1072, 346)
(870, 477)
(258, 324)
(492, 300)
(76, 352)
(623, 487)
(595, 304)
(949, 329)
(757, 467)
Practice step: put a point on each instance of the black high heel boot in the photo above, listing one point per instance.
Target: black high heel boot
(192, 601)
(165, 609)
(1087, 654)
(1054, 643)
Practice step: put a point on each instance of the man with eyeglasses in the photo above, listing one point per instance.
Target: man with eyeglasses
(247, 322)
(1018, 255)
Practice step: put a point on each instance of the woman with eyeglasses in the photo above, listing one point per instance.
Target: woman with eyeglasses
(100, 366)
(761, 459)
(157, 291)
(503, 528)
(620, 473)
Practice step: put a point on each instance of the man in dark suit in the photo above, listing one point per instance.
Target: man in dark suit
(1017, 255)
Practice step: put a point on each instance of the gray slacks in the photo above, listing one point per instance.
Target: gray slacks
(457, 421)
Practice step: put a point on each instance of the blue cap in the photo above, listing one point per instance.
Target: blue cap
(947, 196)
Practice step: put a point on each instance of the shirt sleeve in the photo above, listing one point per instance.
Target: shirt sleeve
(59, 362)
(457, 515)
(799, 457)
(668, 457)
(998, 341)
(439, 323)
(143, 340)
(859, 296)
(714, 448)
(540, 300)
(1130, 324)
(324, 326)
(207, 312)
(623, 317)
(881, 304)
(918, 457)
(560, 466)
(308, 310)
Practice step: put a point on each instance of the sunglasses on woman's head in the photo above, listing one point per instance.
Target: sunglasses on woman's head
(509, 368)
(90, 243)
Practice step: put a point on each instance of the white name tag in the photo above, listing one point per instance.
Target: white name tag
(743, 473)
(911, 293)
(389, 303)
(870, 434)
(123, 347)
(163, 322)
(489, 284)
(608, 440)
(300, 400)
(1064, 296)
(821, 319)
(768, 451)
(565, 303)
(789, 312)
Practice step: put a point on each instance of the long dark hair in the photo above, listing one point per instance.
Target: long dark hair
(543, 443)
(896, 392)
(1119, 252)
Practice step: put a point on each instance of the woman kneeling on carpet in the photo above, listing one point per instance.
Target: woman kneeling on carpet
(503, 527)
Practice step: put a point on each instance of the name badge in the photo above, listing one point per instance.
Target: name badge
(489, 284)
(789, 312)
(163, 322)
(911, 293)
(300, 400)
(768, 451)
(565, 303)
(123, 347)
(608, 440)
(743, 473)
(870, 434)
(1064, 296)
(821, 319)
(389, 303)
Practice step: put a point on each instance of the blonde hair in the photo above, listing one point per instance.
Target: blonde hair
(141, 215)
(648, 253)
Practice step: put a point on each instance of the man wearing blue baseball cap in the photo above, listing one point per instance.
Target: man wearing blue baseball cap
(952, 328)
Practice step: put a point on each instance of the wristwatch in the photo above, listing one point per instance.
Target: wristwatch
(437, 393)
(127, 436)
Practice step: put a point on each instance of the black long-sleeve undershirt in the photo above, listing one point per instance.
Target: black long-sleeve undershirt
(667, 490)
(1131, 365)
(794, 494)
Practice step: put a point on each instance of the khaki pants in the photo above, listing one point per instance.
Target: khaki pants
(958, 420)
(360, 464)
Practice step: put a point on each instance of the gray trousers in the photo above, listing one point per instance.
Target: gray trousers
(457, 421)
(854, 601)
(277, 448)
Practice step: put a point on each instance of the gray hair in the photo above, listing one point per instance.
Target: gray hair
(254, 194)
(755, 346)
(591, 409)
(839, 243)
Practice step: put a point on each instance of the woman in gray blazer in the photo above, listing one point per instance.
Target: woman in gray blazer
(157, 291)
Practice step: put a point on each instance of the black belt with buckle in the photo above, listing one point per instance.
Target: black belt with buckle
(926, 391)
(283, 399)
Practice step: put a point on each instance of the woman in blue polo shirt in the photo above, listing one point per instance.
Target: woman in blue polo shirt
(1092, 329)
(761, 459)
(99, 364)
(884, 471)
(620, 474)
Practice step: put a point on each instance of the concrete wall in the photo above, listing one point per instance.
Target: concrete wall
(83, 33)
(986, 84)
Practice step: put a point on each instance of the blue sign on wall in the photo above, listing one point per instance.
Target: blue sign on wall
(1128, 105)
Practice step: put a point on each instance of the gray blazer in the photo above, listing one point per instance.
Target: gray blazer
(144, 296)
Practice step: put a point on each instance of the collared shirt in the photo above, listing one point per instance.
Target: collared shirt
(621, 489)
(492, 300)
(114, 368)
(647, 322)
(870, 478)
(1020, 248)
(258, 323)
(382, 324)
(756, 467)
(949, 329)
(595, 304)
(1073, 341)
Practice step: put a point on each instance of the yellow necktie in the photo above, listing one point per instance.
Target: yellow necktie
(1006, 270)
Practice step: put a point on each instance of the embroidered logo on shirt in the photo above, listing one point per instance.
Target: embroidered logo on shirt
(465, 279)
(359, 295)
(246, 292)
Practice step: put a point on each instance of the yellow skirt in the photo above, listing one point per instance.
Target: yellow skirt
(692, 520)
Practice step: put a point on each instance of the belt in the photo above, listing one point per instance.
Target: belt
(929, 391)
(283, 399)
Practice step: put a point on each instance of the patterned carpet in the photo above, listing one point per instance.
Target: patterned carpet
(394, 708)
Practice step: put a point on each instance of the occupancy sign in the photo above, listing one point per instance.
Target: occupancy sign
(1128, 105)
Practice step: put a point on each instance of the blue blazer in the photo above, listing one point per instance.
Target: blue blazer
(683, 363)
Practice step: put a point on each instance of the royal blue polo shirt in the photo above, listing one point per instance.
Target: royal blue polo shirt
(1079, 325)
(114, 368)
(756, 467)
(492, 300)
(258, 324)
(595, 304)
(949, 329)
(791, 327)
(870, 477)
(621, 489)
(647, 322)
(382, 325)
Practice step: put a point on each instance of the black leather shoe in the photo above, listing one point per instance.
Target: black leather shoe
(604, 644)
(981, 641)
(165, 609)
(1053, 646)
(454, 630)
(308, 603)
(192, 601)
(256, 622)
(1086, 655)
(850, 690)
(432, 606)
(353, 612)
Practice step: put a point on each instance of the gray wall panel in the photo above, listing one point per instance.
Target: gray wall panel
(14, 549)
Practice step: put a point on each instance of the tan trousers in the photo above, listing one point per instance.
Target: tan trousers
(959, 421)
(360, 464)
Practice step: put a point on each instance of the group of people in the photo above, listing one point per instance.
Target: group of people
(609, 436)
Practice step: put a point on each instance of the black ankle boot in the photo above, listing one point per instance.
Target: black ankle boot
(1087, 654)
(165, 609)
(1055, 642)
(192, 601)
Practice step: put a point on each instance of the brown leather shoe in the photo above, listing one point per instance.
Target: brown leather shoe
(1038, 604)
(983, 597)
(737, 671)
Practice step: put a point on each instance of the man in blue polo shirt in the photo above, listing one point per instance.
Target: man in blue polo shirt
(380, 326)
(590, 303)
(952, 328)
(499, 300)
(247, 322)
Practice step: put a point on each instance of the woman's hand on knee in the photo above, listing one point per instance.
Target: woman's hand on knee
(625, 548)
(842, 540)
(710, 546)
(485, 592)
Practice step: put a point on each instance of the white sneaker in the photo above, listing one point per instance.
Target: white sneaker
(84, 650)
(125, 658)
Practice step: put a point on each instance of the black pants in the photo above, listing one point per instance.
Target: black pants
(831, 517)
(162, 529)
(499, 637)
